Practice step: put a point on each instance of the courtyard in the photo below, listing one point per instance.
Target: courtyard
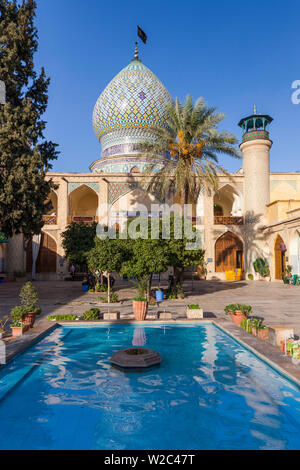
(277, 303)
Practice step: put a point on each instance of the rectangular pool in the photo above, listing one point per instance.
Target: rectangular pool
(209, 393)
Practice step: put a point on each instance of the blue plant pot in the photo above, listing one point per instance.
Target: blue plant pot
(159, 294)
(85, 288)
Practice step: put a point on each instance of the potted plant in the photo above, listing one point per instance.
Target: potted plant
(140, 304)
(2, 325)
(193, 311)
(238, 312)
(16, 315)
(29, 298)
(259, 329)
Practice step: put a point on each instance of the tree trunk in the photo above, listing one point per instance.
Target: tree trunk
(108, 288)
(178, 276)
(149, 282)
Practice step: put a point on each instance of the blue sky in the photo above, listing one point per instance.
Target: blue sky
(232, 53)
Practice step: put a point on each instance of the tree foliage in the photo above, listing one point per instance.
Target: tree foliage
(107, 256)
(25, 154)
(193, 144)
(77, 240)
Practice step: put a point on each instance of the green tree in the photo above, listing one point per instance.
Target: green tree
(77, 240)
(25, 155)
(107, 255)
(150, 256)
(147, 257)
(193, 144)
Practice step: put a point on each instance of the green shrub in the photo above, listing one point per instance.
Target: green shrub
(68, 317)
(257, 323)
(261, 267)
(250, 277)
(246, 325)
(92, 314)
(114, 298)
(245, 309)
(139, 299)
(17, 313)
(194, 306)
(28, 295)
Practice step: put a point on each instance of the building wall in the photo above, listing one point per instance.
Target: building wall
(121, 191)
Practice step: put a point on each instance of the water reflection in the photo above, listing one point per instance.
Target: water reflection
(139, 336)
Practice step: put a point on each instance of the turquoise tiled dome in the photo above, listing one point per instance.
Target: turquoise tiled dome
(131, 110)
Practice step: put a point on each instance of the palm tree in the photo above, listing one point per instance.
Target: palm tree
(192, 143)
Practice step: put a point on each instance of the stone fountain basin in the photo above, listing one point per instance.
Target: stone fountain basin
(135, 358)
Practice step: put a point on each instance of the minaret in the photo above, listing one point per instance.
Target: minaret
(255, 148)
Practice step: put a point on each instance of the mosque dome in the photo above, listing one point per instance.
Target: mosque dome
(131, 110)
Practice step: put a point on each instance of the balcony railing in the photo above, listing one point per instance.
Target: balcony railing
(50, 219)
(228, 220)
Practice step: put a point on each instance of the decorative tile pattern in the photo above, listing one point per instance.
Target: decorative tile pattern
(134, 99)
(72, 186)
(117, 190)
(125, 165)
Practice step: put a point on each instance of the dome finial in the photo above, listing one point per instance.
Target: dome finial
(136, 52)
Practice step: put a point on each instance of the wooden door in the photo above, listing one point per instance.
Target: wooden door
(46, 261)
(279, 258)
(229, 252)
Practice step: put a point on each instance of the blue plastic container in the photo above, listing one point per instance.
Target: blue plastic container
(85, 288)
(159, 294)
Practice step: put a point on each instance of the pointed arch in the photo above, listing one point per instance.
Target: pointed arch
(83, 202)
(229, 252)
(294, 252)
(228, 200)
(279, 257)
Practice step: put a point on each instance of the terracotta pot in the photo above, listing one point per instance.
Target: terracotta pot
(254, 331)
(29, 319)
(140, 309)
(263, 334)
(16, 331)
(238, 317)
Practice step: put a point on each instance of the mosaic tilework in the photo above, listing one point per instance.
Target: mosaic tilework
(72, 186)
(117, 190)
(125, 165)
(135, 98)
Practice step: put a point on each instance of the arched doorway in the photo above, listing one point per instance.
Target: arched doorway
(229, 253)
(280, 250)
(46, 260)
(294, 258)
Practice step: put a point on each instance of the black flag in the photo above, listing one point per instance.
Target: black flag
(142, 35)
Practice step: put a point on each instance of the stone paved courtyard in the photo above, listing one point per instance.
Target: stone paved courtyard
(275, 302)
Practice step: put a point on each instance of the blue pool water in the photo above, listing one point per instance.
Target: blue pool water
(208, 393)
